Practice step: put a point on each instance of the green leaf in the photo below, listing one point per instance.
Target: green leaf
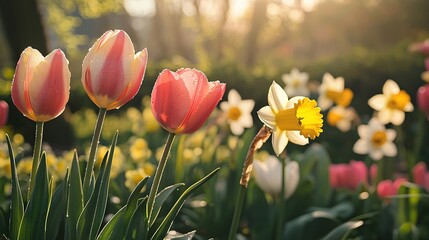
(312, 225)
(132, 203)
(160, 199)
(186, 236)
(17, 205)
(407, 231)
(35, 216)
(163, 229)
(342, 231)
(74, 198)
(92, 216)
(113, 229)
(3, 223)
(408, 200)
(57, 212)
(137, 228)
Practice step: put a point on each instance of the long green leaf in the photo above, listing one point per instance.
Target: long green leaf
(3, 223)
(56, 212)
(113, 229)
(92, 216)
(132, 203)
(313, 225)
(74, 198)
(163, 229)
(137, 228)
(17, 205)
(342, 231)
(35, 216)
(160, 199)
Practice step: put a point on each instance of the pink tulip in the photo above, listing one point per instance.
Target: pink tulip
(421, 47)
(41, 85)
(183, 100)
(4, 112)
(348, 176)
(111, 72)
(423, 98)
(421, 175)
(427, 64)
(373, 171)
(386, 188)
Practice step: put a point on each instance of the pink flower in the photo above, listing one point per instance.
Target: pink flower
(421, 175)
(423, 98)
(41, 85)
(373, 171)
(183, 100)
(348, 176)
(111, 73)
(386, 188)
(420, 47)
(427, 64)
(4, 112)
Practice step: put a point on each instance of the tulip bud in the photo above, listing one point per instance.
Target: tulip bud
(4, 112)
(386, 188)
(41, 85)
(112, 72)
(183, 100)
(423, 98)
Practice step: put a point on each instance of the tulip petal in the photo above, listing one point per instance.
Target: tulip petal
(49, 90)
(291, 178)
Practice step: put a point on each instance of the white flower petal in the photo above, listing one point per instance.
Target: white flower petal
(361, 147)
(364, 131)
(296, 138)
(246, 120)
(236, 128)
(247, 105)
(391, 134)
(279, 141)
(291, 103)
(234, 97)
(397, 117)
(376, 154)
(390, 87)
(225, 106)
(377, 102)
(291, 178)
(324, 102)
(277, 97)
(384, 116)
(267, 116)
(389, 149)
(409, 107)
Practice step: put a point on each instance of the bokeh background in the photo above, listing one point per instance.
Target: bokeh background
(244, 43)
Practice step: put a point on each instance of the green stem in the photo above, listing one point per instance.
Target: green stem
(36, 154)
(237, 212)
(280, 218)
(158, 175)
(93, 150)
(418, 141)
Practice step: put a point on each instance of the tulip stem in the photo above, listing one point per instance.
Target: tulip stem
(36, 154)
(280, 218)
(93, 150)
(158, 175)
(257, 142)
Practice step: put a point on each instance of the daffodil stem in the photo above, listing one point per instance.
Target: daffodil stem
(418, 141)
(280, 218)
(93, 150)
(36, 154)
(237, 212)
(158, 175)
(257, 142)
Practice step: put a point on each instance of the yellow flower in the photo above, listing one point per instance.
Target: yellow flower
(341, 117)
(24, 166)
(332, 91)
(149, 121)
(296, 119)
(139, 150)
(5, 170)
(392, 104)
(133, 177)
(296, 83)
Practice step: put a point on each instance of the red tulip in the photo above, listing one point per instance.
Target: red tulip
(421, 175)
(388, 188)
(111, 72)
(423, 98)
(4, 112)
(183, 100)
(41, 85)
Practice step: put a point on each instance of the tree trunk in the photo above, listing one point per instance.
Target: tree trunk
(257, 22)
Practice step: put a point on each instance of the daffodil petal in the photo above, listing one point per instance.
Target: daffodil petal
(363, 131)
(296, 137)
(391, 134)
(389, 149)
(409, 107)
(233, 97)
(236, 128)
(247, 105)
(361, 147)
(279, 141)
(292, 101)
(377, 102)
(376, 154)
(385, 116)
(390, 87)
(277, 97)
(267, 116)
(397, 117)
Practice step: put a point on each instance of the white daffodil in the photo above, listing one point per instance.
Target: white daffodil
(375, 140)
(238, 112)
(268, 175)
(296, 119)
(341, 117)
(392, 104)
(332, 91)
(296, 83)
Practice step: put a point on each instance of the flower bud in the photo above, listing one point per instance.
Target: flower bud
(41, 85)
(111, 71)
(4, 112)
(183, 100)
(423, 98)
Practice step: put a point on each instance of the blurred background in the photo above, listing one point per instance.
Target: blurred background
(244, 43)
